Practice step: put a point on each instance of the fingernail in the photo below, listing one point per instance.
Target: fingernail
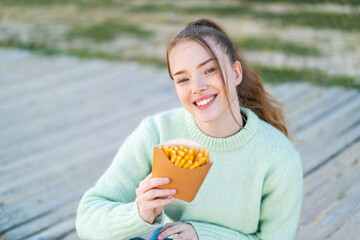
(166, 180)
(160, 237)
(172, 191)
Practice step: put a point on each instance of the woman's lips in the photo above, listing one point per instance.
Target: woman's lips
(205, 102)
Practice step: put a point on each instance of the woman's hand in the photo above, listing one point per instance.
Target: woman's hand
(185, 231)
(151, 201)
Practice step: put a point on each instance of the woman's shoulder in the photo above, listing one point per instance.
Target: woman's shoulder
(275, 141)
(280, 153)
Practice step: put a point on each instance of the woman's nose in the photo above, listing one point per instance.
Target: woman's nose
(199, 85)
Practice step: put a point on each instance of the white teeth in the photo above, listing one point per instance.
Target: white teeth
(205, 101)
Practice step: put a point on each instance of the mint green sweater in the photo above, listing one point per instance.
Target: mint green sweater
(253, 190)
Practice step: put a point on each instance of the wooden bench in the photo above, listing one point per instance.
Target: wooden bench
(62, 121)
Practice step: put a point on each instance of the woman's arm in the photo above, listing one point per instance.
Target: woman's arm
(279, 213)
(108, 210)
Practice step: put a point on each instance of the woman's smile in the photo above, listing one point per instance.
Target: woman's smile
(205, 101)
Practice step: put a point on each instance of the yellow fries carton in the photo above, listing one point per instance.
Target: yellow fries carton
(187, 181)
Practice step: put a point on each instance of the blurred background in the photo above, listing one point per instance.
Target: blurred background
(315, 41)
(76, 77)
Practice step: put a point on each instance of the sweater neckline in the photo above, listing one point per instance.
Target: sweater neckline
(227, 143)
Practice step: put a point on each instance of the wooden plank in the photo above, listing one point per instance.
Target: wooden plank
(333, 126)
(71, 187)
(52, 79)
(71, 236)
(10, 55)
(63, 97)
(57, 231)
(296, 91)
(305, 101)
(76, 124)
(52, 200)
(76, 91)
(337, 120)
(317, 158)
(333, 217)
(288, 92)
(349, 230)
(282, 89)
(320, 110)
(323, 187)
(13, 66)
(33, 68)
(48, 225)
(66, 138)
(111, 117)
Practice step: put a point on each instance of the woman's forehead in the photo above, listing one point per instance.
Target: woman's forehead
(191, 52)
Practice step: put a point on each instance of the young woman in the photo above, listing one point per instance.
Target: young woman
(254, 188)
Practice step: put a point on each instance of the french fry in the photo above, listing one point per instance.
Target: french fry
(184, 160)
(199, 156)
(184, 157)
(202, 161)
(188, 164)
(194, 165)
(166, 150)
(206, 155)
(181, 154)
(202, 150)
(173, 158)
(178, 159)
(186, 150)
(191, 152)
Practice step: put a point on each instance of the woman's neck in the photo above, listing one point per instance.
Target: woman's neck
(224, 127)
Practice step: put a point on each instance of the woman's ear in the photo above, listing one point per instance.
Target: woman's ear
(238, 72)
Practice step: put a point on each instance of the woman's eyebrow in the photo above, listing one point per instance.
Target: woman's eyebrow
(200, 65)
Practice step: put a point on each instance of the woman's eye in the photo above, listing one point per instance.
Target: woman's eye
(182, 80)
(211, 70)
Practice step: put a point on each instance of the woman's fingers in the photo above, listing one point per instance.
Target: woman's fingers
(158, 203)
(158, 193)
(174, 228)
(152, 183)
(166, 227)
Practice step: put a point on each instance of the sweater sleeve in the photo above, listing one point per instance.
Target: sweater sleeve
(279, 212)
(109, 210)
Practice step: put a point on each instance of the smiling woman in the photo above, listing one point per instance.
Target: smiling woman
(254, 188)
(201, 90)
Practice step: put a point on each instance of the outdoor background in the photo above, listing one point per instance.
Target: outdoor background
(77, 77)
(315, 41)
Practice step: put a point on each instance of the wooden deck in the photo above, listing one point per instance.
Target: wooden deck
(62, 121)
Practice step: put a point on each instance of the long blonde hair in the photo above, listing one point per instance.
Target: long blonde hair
(250, 91)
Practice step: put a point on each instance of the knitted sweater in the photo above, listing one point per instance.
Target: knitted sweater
(252, 191)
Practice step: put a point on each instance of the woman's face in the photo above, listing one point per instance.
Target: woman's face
(198, 81)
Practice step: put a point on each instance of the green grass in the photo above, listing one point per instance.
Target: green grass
(197, 10)
(317, 20)
(155, 62)
(274, 44)
(341, 196)
(80, 3)
(301, 18)
(340, 2)
(108, 30)
(280, 75)
(339, 175)
(43, 49)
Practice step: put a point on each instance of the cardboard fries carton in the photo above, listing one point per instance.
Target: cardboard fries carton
(187, 182)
